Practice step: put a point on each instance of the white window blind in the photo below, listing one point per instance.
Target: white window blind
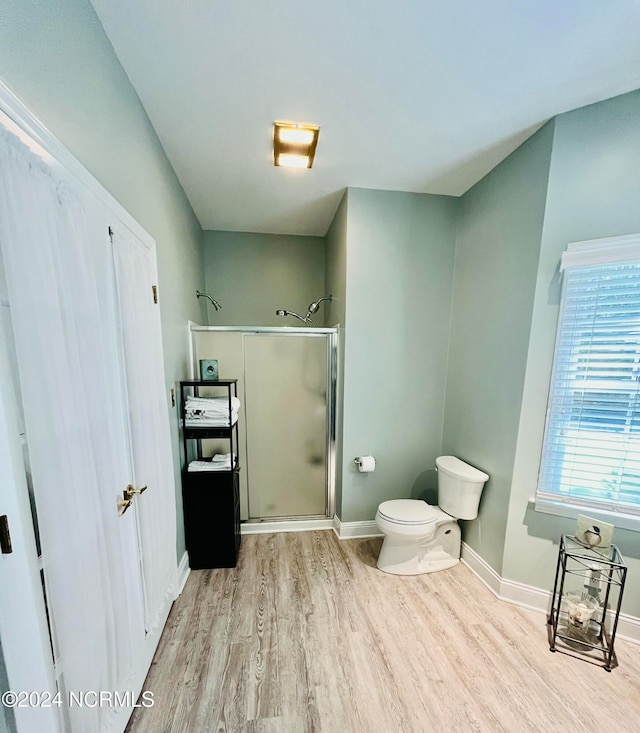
(591, 447)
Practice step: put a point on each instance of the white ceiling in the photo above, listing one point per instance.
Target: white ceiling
(411, 95)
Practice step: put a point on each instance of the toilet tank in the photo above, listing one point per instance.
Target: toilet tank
(459, 487)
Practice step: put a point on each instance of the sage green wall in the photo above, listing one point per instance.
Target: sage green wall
(56, 58)
(336, 264)
(336, 284)
(253, 275)
(399, 263)
(498, 240)
(594, 192)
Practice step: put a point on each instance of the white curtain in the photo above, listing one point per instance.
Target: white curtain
(62, 314)
(136, 275)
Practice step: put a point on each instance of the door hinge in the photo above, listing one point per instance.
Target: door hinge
(5, 535)
(154, 288)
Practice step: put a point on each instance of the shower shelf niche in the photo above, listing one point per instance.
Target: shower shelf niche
(211, 499)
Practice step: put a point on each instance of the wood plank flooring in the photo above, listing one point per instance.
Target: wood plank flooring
(307, 636)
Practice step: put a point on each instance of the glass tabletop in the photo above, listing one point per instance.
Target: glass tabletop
(574, 547)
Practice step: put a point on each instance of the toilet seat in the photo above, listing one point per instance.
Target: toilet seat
(418, 537)
(411, 512)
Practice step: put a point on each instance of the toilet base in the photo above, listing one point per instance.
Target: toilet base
(402, 555)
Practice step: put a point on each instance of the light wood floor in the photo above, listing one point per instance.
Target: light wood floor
(307, 635)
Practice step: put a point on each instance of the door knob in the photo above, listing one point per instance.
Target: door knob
(123, 506)
(130, 492)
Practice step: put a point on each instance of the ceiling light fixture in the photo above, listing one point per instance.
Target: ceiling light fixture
(294, 145)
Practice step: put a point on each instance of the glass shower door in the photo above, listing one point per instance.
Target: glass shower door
(286, 404)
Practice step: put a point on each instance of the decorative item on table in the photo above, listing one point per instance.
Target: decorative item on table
(593, 533)
(209, 370)
(580, 609)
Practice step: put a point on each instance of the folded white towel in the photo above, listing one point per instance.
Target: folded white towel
(201, 466)
(222, 458)
(212, 421)
(214, 404)
(220, 462)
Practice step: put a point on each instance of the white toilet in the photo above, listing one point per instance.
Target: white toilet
(420, 538)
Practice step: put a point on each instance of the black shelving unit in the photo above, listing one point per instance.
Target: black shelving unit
(586, 601)
(211, 499)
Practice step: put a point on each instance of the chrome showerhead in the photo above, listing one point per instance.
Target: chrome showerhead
(313, 307)
(291, 313)
(214, 303)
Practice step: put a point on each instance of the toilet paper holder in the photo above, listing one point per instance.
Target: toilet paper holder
(365, 464)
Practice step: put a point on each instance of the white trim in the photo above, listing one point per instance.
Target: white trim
(191, 349)
(183, 573)
(350, 530)
(622, 239)
(511, 591)
(118, 721)
(594, 252)
(281, 330)
(23, 625)
(285, 525)
(481, 569)
(629, 628)
(571, 511)
(21, 120)
(527, 596)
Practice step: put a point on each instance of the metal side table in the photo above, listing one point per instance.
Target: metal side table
(586, 600)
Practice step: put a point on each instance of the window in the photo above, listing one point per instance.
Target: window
(591, 447)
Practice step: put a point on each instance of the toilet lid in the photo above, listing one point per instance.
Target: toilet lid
(409, 511)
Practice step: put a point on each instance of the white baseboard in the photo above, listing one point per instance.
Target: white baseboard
(530, 597)
(183, 573)
(285, 525)
(351, 530)
(511, 591)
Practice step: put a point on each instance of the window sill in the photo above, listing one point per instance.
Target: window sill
(558, 509)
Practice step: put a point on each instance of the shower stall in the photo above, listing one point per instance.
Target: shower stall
(287, 387)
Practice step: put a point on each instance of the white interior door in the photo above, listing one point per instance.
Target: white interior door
(26, 662)
(136, 275)
(86, 441)
(7, 716)
(59, 273)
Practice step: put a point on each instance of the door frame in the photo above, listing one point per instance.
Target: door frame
(32, 668)
(333, 340)
(23, 623)
(19, 120)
